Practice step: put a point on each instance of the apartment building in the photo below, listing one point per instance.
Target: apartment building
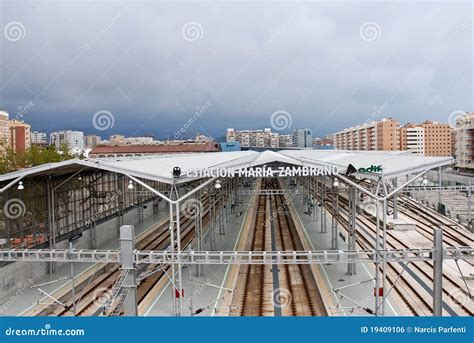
(323, 143)
(4, 132)
(285, 141)
(429, 138)
(39, 138)
(254, 138)
(438, 139)
(74, 140)
(464, 148)
(91, 141)
(412, 138)
(376, 135)
(20, 135)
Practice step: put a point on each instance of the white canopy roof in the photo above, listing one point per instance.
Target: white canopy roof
(159, 167)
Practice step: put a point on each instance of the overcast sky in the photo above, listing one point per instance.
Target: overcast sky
(158, 68)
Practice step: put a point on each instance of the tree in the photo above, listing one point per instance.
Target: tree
(34, 156)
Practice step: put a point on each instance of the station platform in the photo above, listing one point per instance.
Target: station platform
(204, 292)
(358, 287)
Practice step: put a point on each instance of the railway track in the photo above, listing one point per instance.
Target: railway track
(413, 283)
(287, 290)
(94, 291)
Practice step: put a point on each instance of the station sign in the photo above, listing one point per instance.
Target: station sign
(264, 172)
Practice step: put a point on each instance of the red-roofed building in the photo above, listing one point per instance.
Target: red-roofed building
(101, 151)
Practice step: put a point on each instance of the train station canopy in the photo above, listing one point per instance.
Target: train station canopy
(160, 167)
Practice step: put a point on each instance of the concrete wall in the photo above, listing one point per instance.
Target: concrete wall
(18, 275)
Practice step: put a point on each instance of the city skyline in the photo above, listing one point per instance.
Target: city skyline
(325, 68)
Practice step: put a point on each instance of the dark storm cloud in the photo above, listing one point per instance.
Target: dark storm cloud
(153, 65)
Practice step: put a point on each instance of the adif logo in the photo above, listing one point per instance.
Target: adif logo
(371, 169)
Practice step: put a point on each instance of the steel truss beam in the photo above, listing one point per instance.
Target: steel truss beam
(437, 188)
(265, 191)
(234, 257)
(59, 255)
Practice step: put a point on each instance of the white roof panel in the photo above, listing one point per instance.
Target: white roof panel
(159, 167)
(392, 163)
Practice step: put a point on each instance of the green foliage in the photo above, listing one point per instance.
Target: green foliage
(34, 156)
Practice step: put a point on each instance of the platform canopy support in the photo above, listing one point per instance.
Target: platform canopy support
(438, 272)
(127, 247)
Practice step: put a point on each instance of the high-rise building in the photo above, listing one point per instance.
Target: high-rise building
(91, 141)
(464, 150)
(20, 135)
(428, 138)
(377, 135)
(4, 132)
(39, 138)
(73, 140)
(302, 138)
(254, 138)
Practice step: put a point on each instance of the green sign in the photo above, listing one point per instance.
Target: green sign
(371, 169)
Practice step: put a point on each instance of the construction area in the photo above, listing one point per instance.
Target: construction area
(246, 233)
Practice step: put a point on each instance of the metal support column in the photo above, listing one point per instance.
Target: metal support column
(351, 267)
(172, 249)
(50, 221)
(384, 247)
(438, 272)
(469, 207)
(127, 247)
(395, 199)
(120, 198)
(212, 197)
(377, 258)
(440, 185)
(324, 228)
(335, 215)
(198, 226)
(180, 279)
